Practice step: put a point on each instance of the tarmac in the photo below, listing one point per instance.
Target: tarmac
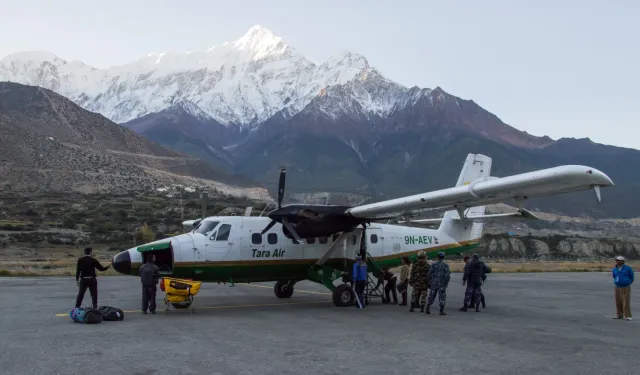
(539, 323)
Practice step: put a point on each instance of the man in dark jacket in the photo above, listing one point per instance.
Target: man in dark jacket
(86, 277)
(473, 276)
(468, 302)
(149, 274)
(390, 286)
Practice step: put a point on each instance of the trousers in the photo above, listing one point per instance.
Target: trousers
(623, 302)
(391, 287)
(92, 285)
(360, 285)
(419, 295)
(473, 291)
(149, 298)
(442, 296)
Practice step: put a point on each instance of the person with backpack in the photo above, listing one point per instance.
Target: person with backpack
(86, 277)
(149, 275)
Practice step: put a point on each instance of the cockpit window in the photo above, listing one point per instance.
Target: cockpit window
(223, 232)
(206, 227)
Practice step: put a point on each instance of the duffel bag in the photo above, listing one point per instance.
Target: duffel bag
(92, 316)
(111, 313)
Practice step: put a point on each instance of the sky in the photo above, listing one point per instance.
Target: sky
(556, 68)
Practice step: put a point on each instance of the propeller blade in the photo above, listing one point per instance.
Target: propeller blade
(271, 224)
(291, 230)
(281, 183)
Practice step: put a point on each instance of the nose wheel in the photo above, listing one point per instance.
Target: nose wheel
(283, 289)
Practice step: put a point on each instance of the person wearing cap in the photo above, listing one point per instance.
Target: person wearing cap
(419, 281)
(622, 279)
(359, 277)
(473, 276)
(439, 277)
(86, 277)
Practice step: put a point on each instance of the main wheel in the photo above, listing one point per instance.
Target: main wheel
(283, 289)
(343, 296)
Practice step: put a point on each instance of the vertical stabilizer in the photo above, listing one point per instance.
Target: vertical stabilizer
(475, 167)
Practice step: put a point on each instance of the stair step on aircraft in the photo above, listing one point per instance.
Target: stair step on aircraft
(319, 242)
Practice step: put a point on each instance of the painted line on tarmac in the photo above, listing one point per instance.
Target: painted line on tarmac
(229, 306)
(295, 290)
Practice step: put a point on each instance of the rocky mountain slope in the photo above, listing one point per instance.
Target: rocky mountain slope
(255, 103)
(49, 143)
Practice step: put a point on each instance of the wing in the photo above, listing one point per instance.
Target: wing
(476, 188)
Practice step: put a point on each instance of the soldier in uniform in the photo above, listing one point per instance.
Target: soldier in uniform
(149, 274)
(419, 281)
(467, 301)
(439, 277)
(474, 274)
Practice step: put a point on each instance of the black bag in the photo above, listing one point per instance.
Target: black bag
(111, 313)
(92, 316)
(403, 286)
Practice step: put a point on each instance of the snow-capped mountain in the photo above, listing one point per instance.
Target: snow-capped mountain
(243, 82)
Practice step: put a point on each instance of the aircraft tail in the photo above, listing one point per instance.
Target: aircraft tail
(475, 167)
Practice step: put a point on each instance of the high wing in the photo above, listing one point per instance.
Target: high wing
(521, 214)
(490, 190)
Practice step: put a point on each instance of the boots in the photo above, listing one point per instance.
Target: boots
(422, 308)
(428, 309)
(413, 305)
(442, 311)
(477, 306)
(482, 300)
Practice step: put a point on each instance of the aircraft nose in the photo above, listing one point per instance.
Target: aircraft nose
(122, 262)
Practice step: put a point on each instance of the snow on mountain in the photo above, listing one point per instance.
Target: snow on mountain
(242, 82)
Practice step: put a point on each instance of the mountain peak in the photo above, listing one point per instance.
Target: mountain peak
(36, 56)
(260, 41)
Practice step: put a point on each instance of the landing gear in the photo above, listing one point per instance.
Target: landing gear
(284, 289)
(343, 296)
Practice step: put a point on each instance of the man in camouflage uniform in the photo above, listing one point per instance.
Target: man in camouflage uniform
(419, 281)
(439, 277)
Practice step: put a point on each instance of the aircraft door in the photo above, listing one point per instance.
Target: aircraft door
(186, 248)
(375, 243)
(219, 243)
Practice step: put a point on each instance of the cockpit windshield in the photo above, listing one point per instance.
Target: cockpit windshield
(206, 227)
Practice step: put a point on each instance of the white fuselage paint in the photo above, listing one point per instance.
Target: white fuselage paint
(383, 240)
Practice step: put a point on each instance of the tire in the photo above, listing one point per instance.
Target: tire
(282, 289)
(343, 296)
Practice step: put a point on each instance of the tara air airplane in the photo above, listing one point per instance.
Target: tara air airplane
(319, 242)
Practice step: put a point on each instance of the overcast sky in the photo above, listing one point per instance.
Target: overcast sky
(558, 68)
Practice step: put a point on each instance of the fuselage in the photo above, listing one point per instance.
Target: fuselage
(231, 249)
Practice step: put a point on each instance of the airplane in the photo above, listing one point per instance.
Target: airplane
(319, 242)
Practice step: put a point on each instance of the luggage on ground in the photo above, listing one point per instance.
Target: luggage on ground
(86, 315)
(111, 313)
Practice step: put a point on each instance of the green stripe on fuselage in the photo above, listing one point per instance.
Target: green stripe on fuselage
(293, 269)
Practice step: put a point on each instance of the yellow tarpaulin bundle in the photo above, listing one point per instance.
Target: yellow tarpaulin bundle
(181, 287)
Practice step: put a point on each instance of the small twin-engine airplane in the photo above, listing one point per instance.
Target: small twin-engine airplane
(319, 242)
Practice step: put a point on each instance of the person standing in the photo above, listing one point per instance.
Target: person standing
(439, 277)
(359, 277)
(404, 279)
(474, 274)
(390, 286)
(86, 277)
(482, 300)
(622, 279)
(419, 281)
(149, 275)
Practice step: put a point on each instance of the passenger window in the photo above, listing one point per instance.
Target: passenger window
(311, 240)
(223, 232)
(323, 240)
(256, 238)
(272, 238)
(374, 238)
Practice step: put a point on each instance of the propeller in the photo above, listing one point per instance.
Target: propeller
(281, 184)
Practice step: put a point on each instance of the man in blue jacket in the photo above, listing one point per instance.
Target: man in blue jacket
(359, 277)
(622, 279)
